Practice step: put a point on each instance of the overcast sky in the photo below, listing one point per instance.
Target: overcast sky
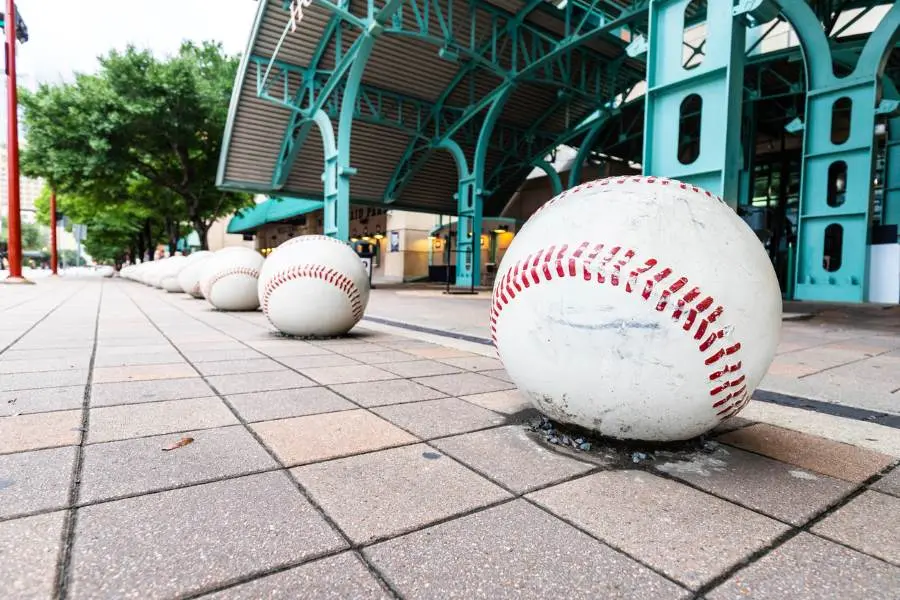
(66, 36)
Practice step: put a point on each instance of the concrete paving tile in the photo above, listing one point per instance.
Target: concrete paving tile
(821, 455)
(392, 391)
(132, 392)
(288, 347)
(42, 354)
(347, 374)
(29, 548)
(228, 367)
(507, 402)
(403, 343)
(41, 400)
(890, 483)
(40, 430)
(334, 578)
(116, 469)
(381, 357)
(182, 541)
(518, 552)
(136, 420)
(213, 355)
(464, 384)
(132, 360)
(306, 361)
(241, 383)
(48, 379)
(508, 456)
(869, 523)
(474, 363)
(178, 370)
(434, 418)
(810, 568)
(778, 489)
(439, 352)
(419, 368)
(500, 374)
(75, 361)
(134, 351)
(220, 344)
(281, 404)
(731, 424)
(688, 535)
(318, 437)
(386, 493)
(350, 348)
(35, 481)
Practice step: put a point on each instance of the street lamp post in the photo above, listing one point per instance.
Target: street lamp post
(14, 219)
(53, 251)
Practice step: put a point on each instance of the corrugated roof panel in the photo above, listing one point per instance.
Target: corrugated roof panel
(299, 45)
(305, 178)
(374, 153)
(410, 65)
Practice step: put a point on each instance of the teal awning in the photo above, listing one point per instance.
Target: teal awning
(273, 210)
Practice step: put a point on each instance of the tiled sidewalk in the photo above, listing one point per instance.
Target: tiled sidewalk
(380, 466)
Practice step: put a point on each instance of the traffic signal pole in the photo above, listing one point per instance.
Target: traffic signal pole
(14, 222)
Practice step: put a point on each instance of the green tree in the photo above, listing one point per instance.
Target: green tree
(142, 129)
(33, 236)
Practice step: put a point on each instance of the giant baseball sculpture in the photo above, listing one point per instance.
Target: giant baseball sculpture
(640, 307)
(229, 280)
(314, 286)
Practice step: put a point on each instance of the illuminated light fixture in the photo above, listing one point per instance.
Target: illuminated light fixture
(502, 229)
(378, 236)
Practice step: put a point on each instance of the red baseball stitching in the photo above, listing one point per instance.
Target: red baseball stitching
(233, 271)
(327, 274)
(729, 390)
(311, 238)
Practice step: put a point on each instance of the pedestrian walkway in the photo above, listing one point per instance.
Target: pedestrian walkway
(151, 447)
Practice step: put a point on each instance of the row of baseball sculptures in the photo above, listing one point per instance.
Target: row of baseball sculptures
(325, 273)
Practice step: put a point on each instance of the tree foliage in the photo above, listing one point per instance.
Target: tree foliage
(134, 148)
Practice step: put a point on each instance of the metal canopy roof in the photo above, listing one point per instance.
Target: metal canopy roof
(272, 210)
(432, 72)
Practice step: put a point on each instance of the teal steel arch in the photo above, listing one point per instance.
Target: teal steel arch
(556, 186)
(891, 199)
(836, 174)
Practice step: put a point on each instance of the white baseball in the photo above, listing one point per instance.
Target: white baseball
(189, 277)
(313, 285)
(169, 278)
(229, 279)
(639, 307)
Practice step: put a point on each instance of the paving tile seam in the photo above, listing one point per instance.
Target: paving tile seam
(852, 362)
(61, 581)
(41, 320)
(282, 468)
(41, 447)
(794, 531)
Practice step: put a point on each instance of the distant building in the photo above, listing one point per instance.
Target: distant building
(29, 190)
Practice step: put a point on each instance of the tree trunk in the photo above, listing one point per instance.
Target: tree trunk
(202, 228)
(148, 237)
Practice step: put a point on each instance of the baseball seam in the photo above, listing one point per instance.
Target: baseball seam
(321, 272)
(729, 390)
(232, 271)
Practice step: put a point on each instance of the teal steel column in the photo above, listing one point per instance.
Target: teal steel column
(470, 201)
(329, 175)
(891, 201)
(716, 84)
(341, 205)
(581, 156)
(836, 179)
(748, 155)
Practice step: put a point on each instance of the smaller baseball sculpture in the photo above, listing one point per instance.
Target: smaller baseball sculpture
(313, 286)
(230, 277)
(189, 277)
(639, 307)
(169, 279)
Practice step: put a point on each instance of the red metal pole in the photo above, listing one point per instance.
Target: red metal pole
(12, 147)
(53, 255)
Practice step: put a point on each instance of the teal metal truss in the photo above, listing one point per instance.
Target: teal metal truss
(693, 106)
(836, 184)
(891, 198)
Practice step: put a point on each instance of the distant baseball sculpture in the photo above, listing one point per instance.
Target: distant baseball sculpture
(169, 278)
(189, 277)
(639, 307)
(313, 286)
(229, 278)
